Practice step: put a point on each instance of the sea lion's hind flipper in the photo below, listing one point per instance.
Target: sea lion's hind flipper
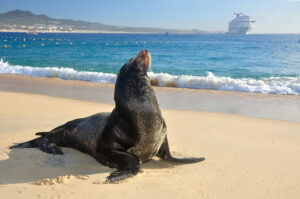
(165, 153)
(41, 133)
(30, 144)
(49, 147)
(41, 142)
(49, 140)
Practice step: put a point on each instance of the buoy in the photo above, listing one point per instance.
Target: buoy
(57, 43)
(42, 44)
(70, 43)
(145, 42)
(83, 43)
(33, 39)
(4, 40)
(116, 43)
(126, 42)
(24, 39)
(23, 45)
(107, 44)
(5, 46)
(136, 42)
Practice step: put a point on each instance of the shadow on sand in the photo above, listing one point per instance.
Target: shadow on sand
(31, 165)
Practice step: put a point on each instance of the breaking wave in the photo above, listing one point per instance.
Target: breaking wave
(272, 85)
(62, 73)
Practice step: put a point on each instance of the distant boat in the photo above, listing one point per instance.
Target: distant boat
(241, 24)
(32, 33)
(166, 33)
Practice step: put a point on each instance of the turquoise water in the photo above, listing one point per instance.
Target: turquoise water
(249, 63)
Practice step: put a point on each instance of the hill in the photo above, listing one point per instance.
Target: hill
(19, 20)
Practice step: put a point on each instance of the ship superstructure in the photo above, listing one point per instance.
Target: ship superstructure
(241, 24)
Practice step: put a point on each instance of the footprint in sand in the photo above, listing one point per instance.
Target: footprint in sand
(59, 180)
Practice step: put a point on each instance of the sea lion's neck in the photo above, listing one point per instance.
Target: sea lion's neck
(134, 97)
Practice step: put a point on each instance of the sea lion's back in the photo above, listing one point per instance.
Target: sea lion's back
(88, 131)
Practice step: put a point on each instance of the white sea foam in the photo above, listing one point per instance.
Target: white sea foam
(63, 73)
(274, 85)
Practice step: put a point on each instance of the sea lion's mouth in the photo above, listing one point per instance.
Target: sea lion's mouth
(143, 58)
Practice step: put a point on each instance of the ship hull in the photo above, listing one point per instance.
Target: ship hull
(241, 30)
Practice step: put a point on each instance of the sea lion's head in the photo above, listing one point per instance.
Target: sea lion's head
(143, 60)
(133, 88)
(140, 64)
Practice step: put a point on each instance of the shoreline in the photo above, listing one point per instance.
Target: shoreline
(97, 32)
(116, 32)
(269, 106)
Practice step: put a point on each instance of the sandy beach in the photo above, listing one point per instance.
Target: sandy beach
(246, 157)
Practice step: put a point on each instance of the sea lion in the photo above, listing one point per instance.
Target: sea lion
(133, 133)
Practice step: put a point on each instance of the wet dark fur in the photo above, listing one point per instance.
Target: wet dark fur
(133, 133)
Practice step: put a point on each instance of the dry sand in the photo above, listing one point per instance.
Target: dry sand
(245, 157)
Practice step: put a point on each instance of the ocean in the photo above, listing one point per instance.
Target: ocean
(248, 63)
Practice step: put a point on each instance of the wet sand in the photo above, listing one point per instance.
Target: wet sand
(278, 107)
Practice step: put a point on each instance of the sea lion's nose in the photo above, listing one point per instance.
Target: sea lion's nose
(144, 58)
(143, 53)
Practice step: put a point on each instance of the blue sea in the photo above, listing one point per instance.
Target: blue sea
(247, 63)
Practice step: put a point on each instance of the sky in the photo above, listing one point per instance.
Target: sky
(272, 16)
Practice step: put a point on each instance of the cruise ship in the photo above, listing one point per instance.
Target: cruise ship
(241, 24)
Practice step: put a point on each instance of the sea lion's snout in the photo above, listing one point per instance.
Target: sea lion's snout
(141, 63)
(143, 53)
(143, 60)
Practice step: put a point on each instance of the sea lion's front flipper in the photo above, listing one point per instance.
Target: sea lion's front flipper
(165, 153)
(128, 165)
(118, 176)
